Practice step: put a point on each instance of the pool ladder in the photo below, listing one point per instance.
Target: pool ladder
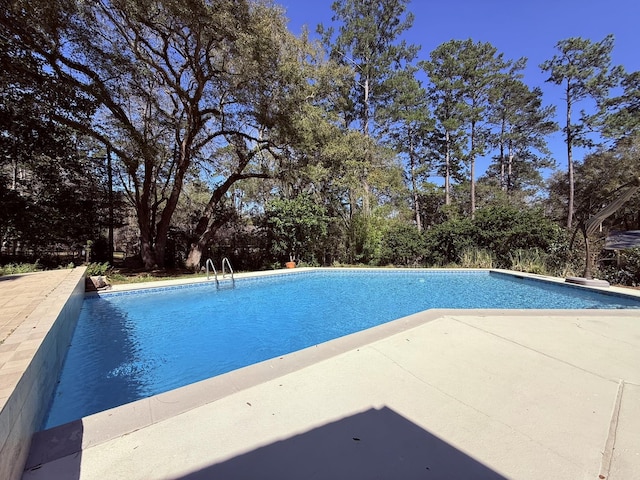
(225, 265)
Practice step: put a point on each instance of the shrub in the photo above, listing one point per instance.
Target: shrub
(294, 225)
(476, 258)
(365, 239)
(402, 245)
(504, 229)
(628, 271)
(17, 268)
(445, 243)
(97, 269)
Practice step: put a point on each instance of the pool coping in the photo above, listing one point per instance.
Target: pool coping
(64, 440)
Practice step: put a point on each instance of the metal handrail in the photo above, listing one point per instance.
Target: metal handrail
(210, 262)
(225, 260)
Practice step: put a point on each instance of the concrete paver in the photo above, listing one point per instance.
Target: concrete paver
(20, 294)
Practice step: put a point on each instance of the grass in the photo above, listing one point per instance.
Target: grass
(120, 276)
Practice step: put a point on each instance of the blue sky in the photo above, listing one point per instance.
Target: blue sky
(517, 28)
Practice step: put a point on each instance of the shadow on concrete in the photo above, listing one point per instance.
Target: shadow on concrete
(15, 276)
(377, 443)
(62, 443)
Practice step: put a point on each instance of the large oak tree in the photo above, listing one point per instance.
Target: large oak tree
(176, 83)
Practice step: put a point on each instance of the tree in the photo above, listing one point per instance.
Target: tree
(445, 98)
(462, 74)
(367, 41)
(584, 69)
(522, 126)
(445, 242)
(49, 188)
(295, 227)
(409, 131)
(600, 176)
(602, 179)
(176, 83)
(621, 115)
(480, 67)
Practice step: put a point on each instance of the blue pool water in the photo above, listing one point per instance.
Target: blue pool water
(132, 345)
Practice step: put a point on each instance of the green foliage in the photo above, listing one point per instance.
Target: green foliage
(600, 180)
(448, 141)
(175, 83)
(619, 115)
(16, 268)
(504, 229)
(368, 42)
(522, 127)
(445, 242)
(212, 109)
(97, 269)
(561, 260)
(402, 244)
(49, 191)
(463, 75)
(491, 238)
(365, 239)
(295, 227)
(583, 68)
(628, 271)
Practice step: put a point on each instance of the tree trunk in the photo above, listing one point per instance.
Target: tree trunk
(503, 182)
(510, 168)
(366, 192)
(447, 168)
(569, 160)
(204, 232)
(366, 205)
(414, 186)
(207, 225)
(195, 256)
(147, 251)
(199, 246)
(111, 212)
(503, 174)
(162, 227)
(473, 172)
(588, 267)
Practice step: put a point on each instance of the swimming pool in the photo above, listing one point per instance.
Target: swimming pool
(131, 345)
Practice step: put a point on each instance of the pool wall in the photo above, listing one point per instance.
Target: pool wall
(41, 343)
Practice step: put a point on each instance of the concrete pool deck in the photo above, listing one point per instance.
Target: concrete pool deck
(441, 394)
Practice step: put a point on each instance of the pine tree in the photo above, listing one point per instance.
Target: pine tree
(584, 70)
(367, 40)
